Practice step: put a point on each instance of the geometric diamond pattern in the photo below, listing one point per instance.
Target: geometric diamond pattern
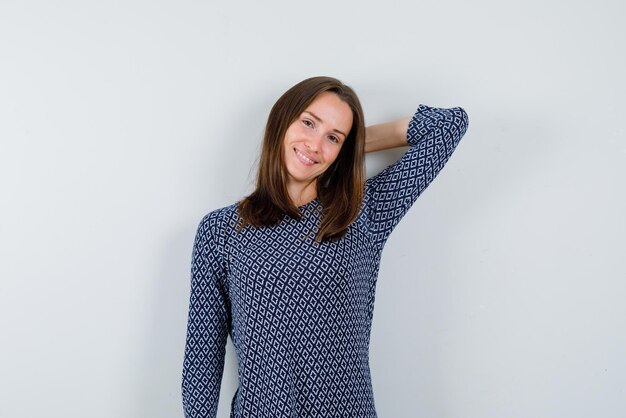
(298, 312)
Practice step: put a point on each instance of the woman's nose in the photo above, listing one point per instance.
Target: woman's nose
(313, 142)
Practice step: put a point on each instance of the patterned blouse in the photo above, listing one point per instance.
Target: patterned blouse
(298, 312)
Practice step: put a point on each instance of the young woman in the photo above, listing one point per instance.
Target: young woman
(290, 271)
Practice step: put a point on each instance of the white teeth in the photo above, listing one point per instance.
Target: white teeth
(304, 157)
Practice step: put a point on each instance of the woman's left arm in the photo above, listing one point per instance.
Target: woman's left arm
(387, 135)
(431, 134)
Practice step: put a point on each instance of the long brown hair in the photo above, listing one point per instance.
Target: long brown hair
(339, 188)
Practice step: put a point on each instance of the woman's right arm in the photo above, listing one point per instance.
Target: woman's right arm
(208, 325)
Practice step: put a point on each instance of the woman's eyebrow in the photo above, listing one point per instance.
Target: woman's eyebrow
(320, 121)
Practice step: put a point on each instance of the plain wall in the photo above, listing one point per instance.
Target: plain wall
(501, 293)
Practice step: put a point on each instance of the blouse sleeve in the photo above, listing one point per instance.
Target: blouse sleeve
(432, 135)
(207, 328)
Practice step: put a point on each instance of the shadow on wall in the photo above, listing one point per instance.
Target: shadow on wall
(160, 350)
(159, 366)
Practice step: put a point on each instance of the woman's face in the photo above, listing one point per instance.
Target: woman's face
(313, 141)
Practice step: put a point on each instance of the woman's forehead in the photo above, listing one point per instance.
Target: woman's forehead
(329, 109)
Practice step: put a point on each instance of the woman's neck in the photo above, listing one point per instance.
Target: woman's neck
(302, 194)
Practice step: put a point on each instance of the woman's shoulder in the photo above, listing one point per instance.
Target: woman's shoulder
(221, 218)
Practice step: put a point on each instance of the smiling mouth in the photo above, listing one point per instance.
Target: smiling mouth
(303, 158)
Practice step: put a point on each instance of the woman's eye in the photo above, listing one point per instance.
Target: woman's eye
(307, 123)
(333, 138)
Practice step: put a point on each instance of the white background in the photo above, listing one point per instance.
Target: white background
(502, 292)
